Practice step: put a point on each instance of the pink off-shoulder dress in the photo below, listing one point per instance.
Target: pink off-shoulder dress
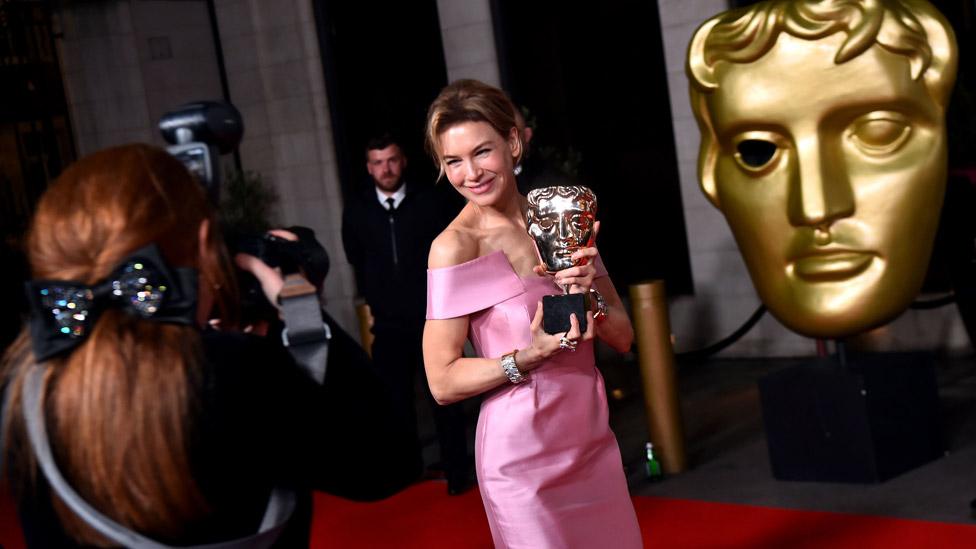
(549, 467)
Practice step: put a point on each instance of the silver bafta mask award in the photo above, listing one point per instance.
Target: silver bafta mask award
(560, 221)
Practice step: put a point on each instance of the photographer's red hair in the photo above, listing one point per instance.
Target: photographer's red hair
(120, 405)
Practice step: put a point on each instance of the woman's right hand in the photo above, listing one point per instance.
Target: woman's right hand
(545, 345)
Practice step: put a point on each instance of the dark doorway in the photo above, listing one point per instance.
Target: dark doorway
(35, 139)
(383, 64)
(592, 76)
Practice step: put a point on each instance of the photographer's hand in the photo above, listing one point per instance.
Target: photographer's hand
(269, 277)
(282, 233)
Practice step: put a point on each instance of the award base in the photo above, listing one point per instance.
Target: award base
(557, 308)
(865, 423)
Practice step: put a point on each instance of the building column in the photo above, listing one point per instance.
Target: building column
(469, 40)
(274, 69)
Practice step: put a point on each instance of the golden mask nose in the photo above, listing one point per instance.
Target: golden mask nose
(820, 188)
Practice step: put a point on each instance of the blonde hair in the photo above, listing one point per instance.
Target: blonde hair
(469, 101)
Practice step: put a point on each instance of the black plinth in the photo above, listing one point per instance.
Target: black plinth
(873, 419)
(557, 308)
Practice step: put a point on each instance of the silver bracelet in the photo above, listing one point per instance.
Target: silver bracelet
(511, 368)
(599, 304)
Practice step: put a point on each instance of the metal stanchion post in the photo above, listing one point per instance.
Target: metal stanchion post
(365, 323)
(656, 356)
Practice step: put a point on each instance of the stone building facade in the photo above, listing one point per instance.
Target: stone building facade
(126, 62)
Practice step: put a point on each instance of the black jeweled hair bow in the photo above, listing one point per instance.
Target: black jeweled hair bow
(63, 311)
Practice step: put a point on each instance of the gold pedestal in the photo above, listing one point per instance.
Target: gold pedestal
(653, 333)
(365, 323)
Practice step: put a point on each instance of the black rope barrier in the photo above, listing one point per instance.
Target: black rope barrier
(934, 303)
(761, 310)
(725, 342)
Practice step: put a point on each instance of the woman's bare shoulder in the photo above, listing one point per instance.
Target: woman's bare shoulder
(455, 245)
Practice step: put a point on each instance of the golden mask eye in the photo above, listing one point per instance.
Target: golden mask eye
(757, 151)
(545, 223)
(880, 133)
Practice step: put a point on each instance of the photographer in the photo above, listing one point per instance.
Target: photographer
(165, 429)
(359, 446)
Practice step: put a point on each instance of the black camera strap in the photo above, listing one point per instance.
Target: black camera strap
(306, 335)
(280, 507)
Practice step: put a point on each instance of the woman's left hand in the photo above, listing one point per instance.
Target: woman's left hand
(579, 279)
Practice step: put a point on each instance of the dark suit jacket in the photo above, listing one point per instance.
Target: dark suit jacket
(395, 289)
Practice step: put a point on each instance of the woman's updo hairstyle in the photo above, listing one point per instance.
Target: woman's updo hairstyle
(120, 406)
(469, 101)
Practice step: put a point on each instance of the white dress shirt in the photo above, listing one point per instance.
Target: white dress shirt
(397, 197)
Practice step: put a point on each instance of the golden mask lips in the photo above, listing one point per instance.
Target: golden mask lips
(831, 266)
(565, 253)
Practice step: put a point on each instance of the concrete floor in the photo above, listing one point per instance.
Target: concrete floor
(727, 451)
(729, 460)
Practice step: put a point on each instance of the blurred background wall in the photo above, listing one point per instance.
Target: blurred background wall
(604, 84)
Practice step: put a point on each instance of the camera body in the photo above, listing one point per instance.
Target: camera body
(198, 134)
(305, 255)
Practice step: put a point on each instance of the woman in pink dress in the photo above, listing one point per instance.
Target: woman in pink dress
(548, 465)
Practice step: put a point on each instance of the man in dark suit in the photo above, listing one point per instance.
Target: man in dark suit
(386, 232)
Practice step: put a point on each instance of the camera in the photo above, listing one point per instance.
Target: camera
(198, 134)
(305, 255)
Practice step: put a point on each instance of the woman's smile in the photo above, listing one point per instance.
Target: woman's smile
(482, 186)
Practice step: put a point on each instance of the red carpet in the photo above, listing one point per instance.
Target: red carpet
(425, 517)
(10, 536)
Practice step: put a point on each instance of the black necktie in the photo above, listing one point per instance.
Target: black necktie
(391, 208)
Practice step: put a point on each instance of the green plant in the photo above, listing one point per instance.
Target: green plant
(564, 160)
(247, 203)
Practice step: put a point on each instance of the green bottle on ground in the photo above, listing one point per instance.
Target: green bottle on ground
(652, 467)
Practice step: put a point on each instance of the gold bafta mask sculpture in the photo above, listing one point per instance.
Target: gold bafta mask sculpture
(560, 220)
(823, 144)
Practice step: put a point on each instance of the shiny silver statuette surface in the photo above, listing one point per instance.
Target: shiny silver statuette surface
(560, 220)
